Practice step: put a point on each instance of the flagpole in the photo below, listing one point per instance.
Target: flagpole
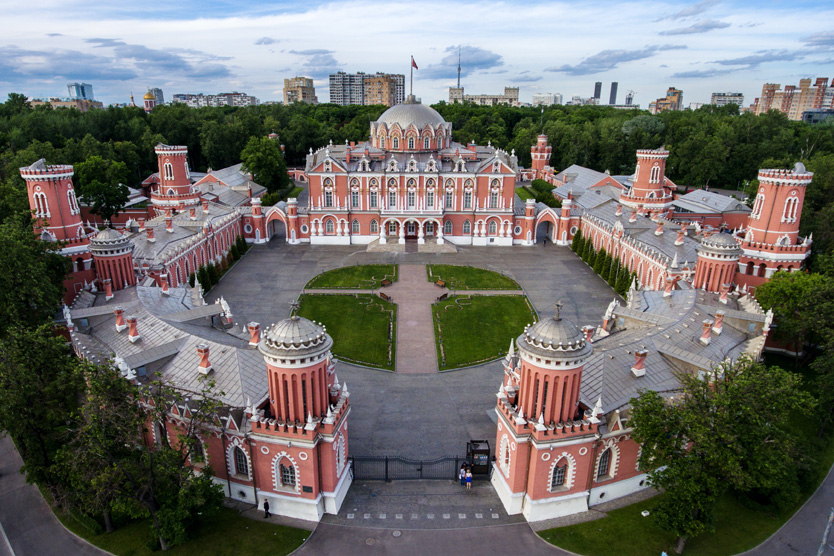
(411, 80)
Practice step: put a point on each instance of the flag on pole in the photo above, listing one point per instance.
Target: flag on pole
(413, 63)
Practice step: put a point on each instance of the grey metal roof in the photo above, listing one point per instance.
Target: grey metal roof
(196, 313)
(700, 201)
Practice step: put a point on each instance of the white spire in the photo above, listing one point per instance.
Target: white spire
(674, 262)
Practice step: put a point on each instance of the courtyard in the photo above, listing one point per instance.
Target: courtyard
(415, 415)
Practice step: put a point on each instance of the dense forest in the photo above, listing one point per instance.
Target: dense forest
(715, 147)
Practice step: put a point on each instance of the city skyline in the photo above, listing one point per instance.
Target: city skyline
(698, 47)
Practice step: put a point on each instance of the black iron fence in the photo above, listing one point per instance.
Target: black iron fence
(393, 468)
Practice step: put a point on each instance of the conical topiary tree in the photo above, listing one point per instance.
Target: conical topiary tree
(613, 272)
(599, 262)
(577, 240)
(606, 267)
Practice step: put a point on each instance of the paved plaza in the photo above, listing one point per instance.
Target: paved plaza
(415, 415)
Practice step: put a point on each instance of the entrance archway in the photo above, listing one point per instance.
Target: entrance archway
(276, 230)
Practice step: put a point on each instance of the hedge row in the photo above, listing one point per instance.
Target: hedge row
(610, 269)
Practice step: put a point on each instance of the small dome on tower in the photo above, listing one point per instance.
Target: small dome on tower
(721, 242)
(555, 338)
(294, 337)
(149, 96)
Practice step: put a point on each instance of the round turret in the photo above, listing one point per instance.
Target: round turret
(110, 242)
(294, 339)
(555, 338)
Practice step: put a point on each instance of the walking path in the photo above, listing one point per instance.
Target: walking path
(25, 518)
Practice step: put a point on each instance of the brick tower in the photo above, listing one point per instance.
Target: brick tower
(771, 241)
(149, 101)
(174, 188)
(717, 263)
(113, 254)
(58, 218)
(301, 433)
(542, 445)
(649, 191)
(540, 154)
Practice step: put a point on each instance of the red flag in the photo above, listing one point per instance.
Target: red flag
(413, 63)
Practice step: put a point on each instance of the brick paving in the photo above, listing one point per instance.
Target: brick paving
(414, 294)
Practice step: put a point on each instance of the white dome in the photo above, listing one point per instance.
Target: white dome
(555, 338)
(295, 337)
(414, 113)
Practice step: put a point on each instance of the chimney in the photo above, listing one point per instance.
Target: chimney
(724, 290)
(639, 368)
(108, 289)
(718, 325)
(120, 319)
(205, 207)
(150, 236)
(142, 225)
(588, 331)
(619, 210)
(668, 286)
(203, 352)
(132, 333)
(659, 230)
(705, 336)
(254, 333)
(192, 213)
(633, 217)
(681, 233)
(169, 225)
(163, 281)
(167, 213)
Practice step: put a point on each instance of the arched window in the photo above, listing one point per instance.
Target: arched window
(328, 227)
(373, 199)
(41, 206)
(411, 143)
(411, 199)
(560, 471)
(374, 227)
(381, 141)
(493, 200)
(447, 227)
(430, 198)
(757, 206)
(328, 198)
(392, 199)
(655, 175)
(504, 455)
(198, 453)
(749, 269)
(450, 199)
(341, 453)
(187, 171)
(354, 199)
(426, 143)
(604, 464)
(467, 199)
(395, 142)
(392, 227)
(493, 228)
(354, 227)
(762, 269)
(73, 204)
(168, 170)
(241, 465)
(286, 473)
(467, 227)
(789, 212)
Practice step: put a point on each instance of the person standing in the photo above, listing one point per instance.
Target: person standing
(266, 509)
(468, 479)
(462, 474)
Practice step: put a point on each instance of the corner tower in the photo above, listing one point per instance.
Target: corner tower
(58, 218)
(540, 155)
(649, 190)
(543, 438)
(174, 188)
(301, 464)
(771, 241)
(113, 254)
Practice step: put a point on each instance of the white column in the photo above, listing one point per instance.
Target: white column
(420, 236)
(402, 233)
(440, 235)
(382, 239)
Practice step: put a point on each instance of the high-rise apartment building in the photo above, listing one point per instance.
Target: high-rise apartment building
(223, 99)
(157, 94)
(672, 101)
(612, 99)
(547, 99)
(597, 90)
(362, 88)
(510, 97)
(80, 91)
(793, 100)
(723, 99)
(299, 89)
(384, 88)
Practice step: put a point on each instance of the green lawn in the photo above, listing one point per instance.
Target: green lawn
(358, 325)
(225, 534)
(367, 276)
(524, 193)
(740, 524)
(470, 278)
(294, 192)
(478, 329)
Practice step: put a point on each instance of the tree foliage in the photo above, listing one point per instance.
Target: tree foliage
(729, 431)
(262, 157)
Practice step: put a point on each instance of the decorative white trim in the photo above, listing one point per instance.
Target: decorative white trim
(570, 472)
(276, 479)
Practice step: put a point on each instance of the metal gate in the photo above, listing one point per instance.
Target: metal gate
(393, 468)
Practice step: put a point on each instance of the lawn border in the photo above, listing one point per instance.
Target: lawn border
(452, 287)
(395, 275)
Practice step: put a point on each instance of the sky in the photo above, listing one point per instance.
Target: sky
(213, 46)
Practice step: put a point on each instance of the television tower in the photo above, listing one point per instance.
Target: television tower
(458, 67)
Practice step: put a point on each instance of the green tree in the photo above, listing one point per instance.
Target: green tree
(729, 430)
(613, 272)
(263, 159)
(576, 242)
(623, 281)
(101, 184)
(31, 283)
(599, 260)
(39, 392)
